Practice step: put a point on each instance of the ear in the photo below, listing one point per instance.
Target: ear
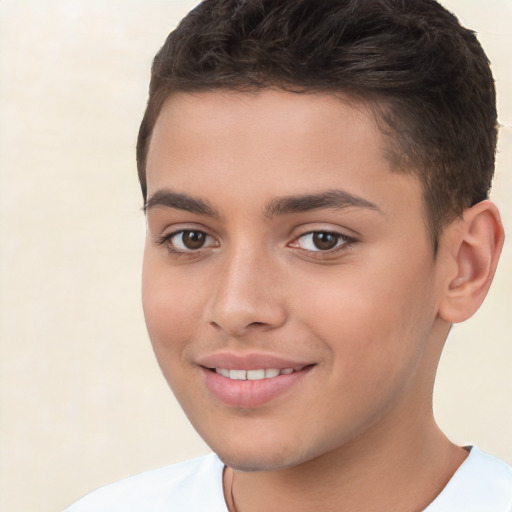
(474, 245)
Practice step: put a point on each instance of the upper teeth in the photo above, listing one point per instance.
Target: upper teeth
(254, 374)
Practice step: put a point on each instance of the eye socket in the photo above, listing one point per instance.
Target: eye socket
(193, 240)
(322, 241)
(186, 240)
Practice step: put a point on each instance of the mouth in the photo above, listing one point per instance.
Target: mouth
(257, 374)
(254, 384)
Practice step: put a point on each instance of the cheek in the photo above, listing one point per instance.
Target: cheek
(170, 307)
(375, 318)
(171, 314)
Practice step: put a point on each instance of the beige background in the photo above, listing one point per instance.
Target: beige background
(82, 399)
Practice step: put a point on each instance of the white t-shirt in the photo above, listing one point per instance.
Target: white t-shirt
(483, 483)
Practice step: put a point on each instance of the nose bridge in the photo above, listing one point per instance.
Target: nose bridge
(247, 292)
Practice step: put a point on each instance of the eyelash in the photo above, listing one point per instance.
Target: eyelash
(342, 243)
(166, 240)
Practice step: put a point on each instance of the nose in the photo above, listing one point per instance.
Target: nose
(248, 295)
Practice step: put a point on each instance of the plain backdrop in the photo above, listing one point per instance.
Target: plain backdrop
(82, 399)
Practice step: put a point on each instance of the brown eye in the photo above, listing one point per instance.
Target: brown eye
(193, 239)
(187, 241)
(324, 241)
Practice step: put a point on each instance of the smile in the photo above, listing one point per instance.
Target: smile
(260, 374)
(254, 387)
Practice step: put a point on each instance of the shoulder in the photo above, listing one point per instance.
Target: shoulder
(191, 486)
(483, 483)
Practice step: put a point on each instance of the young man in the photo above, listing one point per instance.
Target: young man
(315, 178)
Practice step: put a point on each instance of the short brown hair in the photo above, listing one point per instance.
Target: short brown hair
(426, 76)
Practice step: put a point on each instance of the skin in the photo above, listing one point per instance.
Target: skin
(356, 431)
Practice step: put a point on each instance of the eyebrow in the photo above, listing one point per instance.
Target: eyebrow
(177, 201)
(336, 199)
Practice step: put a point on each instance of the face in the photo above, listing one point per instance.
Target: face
(289, 285)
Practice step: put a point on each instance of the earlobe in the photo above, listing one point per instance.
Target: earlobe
(475, 246)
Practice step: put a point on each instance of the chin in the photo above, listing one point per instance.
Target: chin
(260, 457)
(248, 463)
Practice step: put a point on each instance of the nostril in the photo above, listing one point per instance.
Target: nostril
(234, 314)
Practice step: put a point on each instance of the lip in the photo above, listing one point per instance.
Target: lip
(249, 361)
(250, 394)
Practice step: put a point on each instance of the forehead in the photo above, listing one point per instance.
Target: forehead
(271, 142)
(267, 109)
